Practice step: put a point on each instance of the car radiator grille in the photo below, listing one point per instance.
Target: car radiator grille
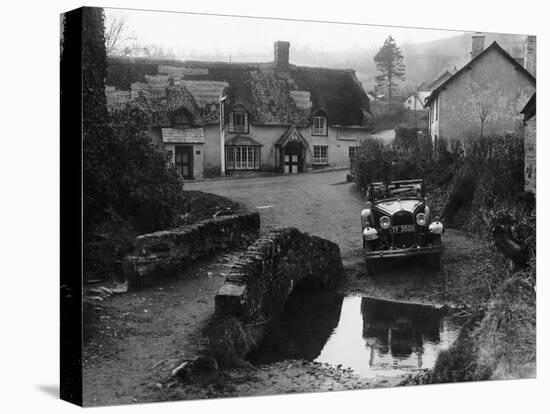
(402, 217)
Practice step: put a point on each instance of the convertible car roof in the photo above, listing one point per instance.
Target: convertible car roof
(417, 181)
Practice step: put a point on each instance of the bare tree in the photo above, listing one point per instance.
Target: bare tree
(119, 40)
(157, 51)
(484, 111)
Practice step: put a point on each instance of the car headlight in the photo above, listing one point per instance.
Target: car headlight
(385, 222)
(421, 219)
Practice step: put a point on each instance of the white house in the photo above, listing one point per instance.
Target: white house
(414, 103)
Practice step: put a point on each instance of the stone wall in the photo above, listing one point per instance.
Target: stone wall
(259, 284)
(165, 253)
(530, 147)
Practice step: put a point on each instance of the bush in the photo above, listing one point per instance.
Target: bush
(484, 174)
(132, 189)
(372, 162)
(488, 178)
(148, 191)
(413, 160)
(406, 138)
(129, 177)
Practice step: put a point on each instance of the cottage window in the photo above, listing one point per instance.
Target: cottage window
(238, 122)
(436, 108)
(319, 125)
(352, 152)
(242, 158)
(181, 118)
(320, 154)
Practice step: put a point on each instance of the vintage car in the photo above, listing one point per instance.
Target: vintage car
(396, 223)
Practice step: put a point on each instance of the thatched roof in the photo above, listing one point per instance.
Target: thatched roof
(270, 97)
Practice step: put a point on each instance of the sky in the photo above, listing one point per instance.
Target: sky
(195, 34)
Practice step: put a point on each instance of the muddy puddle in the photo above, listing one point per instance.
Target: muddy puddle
(373, 337)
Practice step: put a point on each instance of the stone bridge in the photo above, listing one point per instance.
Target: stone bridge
(259, 284)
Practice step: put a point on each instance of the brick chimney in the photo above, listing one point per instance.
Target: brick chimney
(281, 55)
(478, 44)
(530, 55)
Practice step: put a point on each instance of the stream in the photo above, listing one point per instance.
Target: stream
(371, 336)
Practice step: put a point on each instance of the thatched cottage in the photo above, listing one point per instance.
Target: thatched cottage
(219, 117)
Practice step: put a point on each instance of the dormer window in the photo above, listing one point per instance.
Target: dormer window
(319, 126)
(238, 121)
(181, 118)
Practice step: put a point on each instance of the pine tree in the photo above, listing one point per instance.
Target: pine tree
(389, 62)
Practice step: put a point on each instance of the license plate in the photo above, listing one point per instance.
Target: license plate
(404, 228)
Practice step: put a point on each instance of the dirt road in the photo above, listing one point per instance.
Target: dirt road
(321, 203)
(140, 336)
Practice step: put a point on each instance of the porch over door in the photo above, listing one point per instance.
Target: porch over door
(292, 158)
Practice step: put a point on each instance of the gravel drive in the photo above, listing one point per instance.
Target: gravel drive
(322, 204)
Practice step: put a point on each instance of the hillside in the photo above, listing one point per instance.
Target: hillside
(424, 61)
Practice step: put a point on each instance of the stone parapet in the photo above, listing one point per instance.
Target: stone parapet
(166, 253)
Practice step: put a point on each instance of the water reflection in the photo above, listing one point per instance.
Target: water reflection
(396, 333)
(374, 337)
(308, 321)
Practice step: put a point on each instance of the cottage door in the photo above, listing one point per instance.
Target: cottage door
(184, 161)
(292, 163)
(292, 159)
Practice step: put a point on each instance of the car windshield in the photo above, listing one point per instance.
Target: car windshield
(395, 189)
